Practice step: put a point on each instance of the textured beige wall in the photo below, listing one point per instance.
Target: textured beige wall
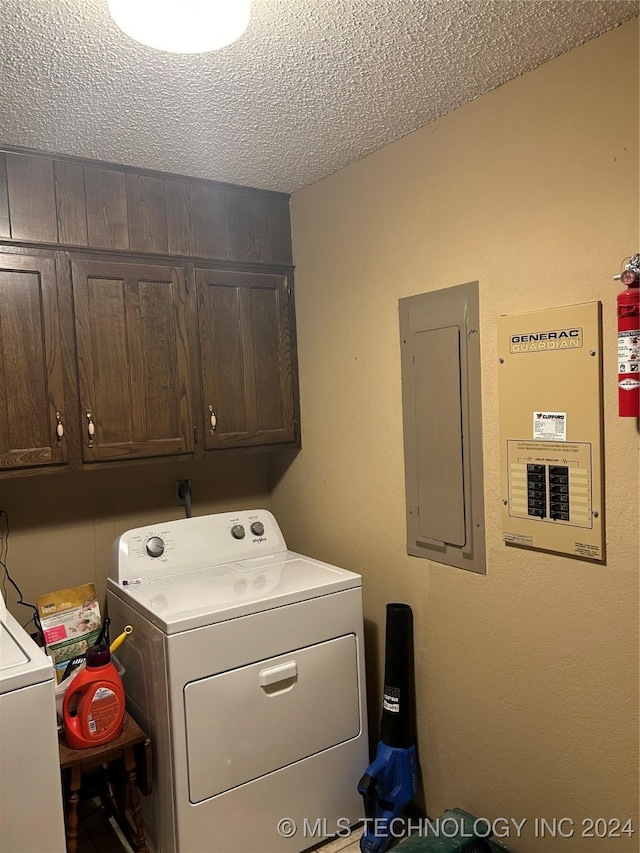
(63, 526)
(527, 679)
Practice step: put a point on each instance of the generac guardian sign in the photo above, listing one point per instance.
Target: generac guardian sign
(551, 340)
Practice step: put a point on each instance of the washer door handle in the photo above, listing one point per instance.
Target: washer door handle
(276, 674)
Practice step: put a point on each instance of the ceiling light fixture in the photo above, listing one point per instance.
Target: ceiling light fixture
(182, 26)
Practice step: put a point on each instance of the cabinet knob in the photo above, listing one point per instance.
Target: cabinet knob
(59, 427)
(212, 420)
(91, 429)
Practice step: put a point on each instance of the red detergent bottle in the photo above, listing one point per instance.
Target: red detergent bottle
(93, 706)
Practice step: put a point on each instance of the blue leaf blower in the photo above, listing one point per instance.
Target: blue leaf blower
(391, 781)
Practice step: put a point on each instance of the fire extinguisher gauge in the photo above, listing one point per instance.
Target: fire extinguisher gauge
(628, 277)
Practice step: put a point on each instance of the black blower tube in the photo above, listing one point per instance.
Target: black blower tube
(397, 725)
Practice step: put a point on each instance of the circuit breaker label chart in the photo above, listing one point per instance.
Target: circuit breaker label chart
(550, 482)
(559, 492)
(537, 490)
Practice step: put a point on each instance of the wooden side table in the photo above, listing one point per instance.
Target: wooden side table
(134, 748)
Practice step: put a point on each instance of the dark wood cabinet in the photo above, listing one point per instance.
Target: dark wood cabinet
(32, 201)
(5, 224)
(106, 204)
(102, 206)
(70, 203)
(134, 359)
(142, 316)
(147, 214)
(33, 415)
(247, 368)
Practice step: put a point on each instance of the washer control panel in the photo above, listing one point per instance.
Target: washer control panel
(193, 543)
(256, 528)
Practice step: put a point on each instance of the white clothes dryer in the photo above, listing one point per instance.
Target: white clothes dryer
(246, 667)
(31, 808)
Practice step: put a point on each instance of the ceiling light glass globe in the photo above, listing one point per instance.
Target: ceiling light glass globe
(182, 26)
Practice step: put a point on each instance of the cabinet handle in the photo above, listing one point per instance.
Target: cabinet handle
(59, 427)
(91, 429)
(212, 420)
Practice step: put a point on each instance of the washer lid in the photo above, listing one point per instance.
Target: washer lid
(205, 596)
(22, 662)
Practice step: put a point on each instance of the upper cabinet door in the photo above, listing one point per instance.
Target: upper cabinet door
(248, 380)
(32, 405)
(75, 202)
(134, 365)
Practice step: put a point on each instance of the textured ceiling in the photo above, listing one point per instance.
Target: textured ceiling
(312, 86)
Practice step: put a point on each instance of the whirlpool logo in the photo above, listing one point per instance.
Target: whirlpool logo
(552, 339)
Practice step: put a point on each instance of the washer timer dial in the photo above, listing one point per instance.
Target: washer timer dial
(154, 546)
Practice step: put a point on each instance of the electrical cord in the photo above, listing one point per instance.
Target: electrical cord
(4, 545)
(187, 500)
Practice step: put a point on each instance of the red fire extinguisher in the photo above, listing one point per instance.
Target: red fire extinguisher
(629, 341)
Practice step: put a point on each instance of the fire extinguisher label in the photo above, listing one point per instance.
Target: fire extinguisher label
(629, 384)
(629, 352)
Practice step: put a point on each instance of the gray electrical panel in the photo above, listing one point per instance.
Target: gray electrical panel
(442, 415)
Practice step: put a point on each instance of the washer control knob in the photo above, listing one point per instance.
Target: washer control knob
(155, 546)
(237, 531)
(257, 528)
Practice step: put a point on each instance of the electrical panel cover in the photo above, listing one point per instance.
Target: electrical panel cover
(550, 382)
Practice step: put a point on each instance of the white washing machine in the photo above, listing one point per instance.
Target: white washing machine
(31, 809)
(246, 667)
